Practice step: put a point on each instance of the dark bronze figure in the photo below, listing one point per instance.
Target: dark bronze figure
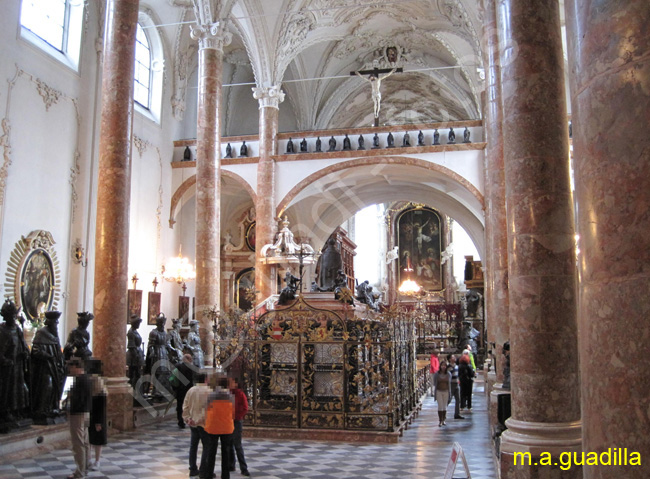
(330, 264)
(346, 143)
(243, 151)
(375, 141)
(436, 137)
(78, 343)
(290, 148)
(303, 146)
(134, 352)
(361, 142)
(193, 344)
(451, 138)
(174, 342)
(187, 154)
(406, 139)
(319, 145)
(390, 141)
(420, 138)
(157, 363)
(466, 134)
(332, 144)
(228, 151)
(288, 293)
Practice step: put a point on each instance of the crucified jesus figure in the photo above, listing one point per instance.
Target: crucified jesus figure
(375, 83)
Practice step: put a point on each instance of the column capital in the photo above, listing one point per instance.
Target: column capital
(269, 96)
(213, 36)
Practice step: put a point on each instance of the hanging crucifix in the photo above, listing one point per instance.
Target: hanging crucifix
(374, 78)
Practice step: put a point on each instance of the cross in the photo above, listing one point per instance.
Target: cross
(375, 81)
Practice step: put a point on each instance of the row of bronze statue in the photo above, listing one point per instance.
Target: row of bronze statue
(32, 382)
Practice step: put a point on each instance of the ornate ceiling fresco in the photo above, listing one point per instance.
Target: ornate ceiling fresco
(311, 46)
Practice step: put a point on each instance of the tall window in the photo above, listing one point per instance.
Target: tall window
(54, 26)
(142, 76)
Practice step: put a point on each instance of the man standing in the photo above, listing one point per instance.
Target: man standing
(79, 401)
(194, 407)
(184, 380)
(455, 390)
(241, 408)
(219, 426)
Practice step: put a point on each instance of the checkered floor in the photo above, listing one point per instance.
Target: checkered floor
(160, 451)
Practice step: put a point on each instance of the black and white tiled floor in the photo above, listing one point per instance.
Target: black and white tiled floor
(160, 451)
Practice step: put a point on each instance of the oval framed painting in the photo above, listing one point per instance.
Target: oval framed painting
(37, 283)
(250, 236)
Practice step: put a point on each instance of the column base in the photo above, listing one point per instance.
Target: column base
(540, 450)
(493, 404)
(119, 404)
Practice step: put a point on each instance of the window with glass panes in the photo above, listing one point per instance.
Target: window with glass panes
(46, 19)
(142, 75)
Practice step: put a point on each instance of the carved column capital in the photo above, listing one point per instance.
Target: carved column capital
(213, 36)
(269, 96)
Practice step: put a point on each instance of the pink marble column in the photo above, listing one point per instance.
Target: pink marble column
(212, 37)
(266, 226)
(608, 46)
(496, 258)
(541, 246)
(113, 199)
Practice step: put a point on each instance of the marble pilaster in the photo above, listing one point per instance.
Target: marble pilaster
(113, 200)
(212, 37)
(269, 99)
(496, 258)
(541, 245)
(608, 45)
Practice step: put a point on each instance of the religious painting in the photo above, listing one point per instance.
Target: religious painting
(154, 307)
(36, 284)
(184, 309)
(250, 236)
(245, 289)
(135, 304)
(419, 238)
(391, 54)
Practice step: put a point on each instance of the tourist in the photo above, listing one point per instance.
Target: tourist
(182, 380)
(241, 408)
(435, 365)
(466, 380)
(97, 427)
(441, 387)
(455, 390)
(194, 407)
(79, 400)
(219, 426)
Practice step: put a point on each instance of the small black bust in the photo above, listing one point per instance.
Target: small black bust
(303, 146)
(332, 144)
(436, 137)
(375, 141)
(228, 151)
(420, 138)
(319, 144)
(346, 143)
(243, 151)
(451, 138)
(361, 142)
(466, 134)
(290, 148)
(406, 140)
(390, 140)
(187, 154)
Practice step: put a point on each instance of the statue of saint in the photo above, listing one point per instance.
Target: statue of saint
(14, 360)
(332, 144)
(436, 137)
(187, 154)
(420, 138)
(406, 140)
(390, 140)
(303, 146)
(375, 141)
(290, 146)
(157, 363)
(318, 145)
(341, 290)
(330, 264)
(288, 293)
(243, 151)
(174, 342)
(361, 142)
(134, 352)
(375, 83)
(466, 134)
(346, 143)
(366, 296)
(228, 151)
(451, 138)
(78, 343)
(48, 371)
(193, 343)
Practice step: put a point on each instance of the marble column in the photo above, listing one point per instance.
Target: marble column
(608, 46)
(266, 226)
(212, 37)
(541, 245)
(113, 200)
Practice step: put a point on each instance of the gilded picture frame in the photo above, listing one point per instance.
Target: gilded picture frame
(250, 236)
(153, 306)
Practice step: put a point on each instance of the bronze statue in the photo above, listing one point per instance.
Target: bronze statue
(78, 343)
(303, 146)
(243, 151)
(375, 141)
(193, 343)
(48, 371)
(406, 139)
(319, 145)
(157, 363)
(366, 296)
(288, 293)
(346, 143)
(341, 290)
(134, 352)
(420, 138)
(361, 142)
(332, 144)
(14, 360)
(390, 141)
(187, 154)
(174, 342)
(290, 146)
(466, 134)
(228, 151)
(451, 138)
(436, 137)
(330, 264)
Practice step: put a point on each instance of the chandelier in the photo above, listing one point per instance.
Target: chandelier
(178, 269)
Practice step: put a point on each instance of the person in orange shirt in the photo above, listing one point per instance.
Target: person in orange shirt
(219, 426)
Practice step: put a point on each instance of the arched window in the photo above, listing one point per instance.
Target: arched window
(149, 66)
(142, 75)
(55, 26)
